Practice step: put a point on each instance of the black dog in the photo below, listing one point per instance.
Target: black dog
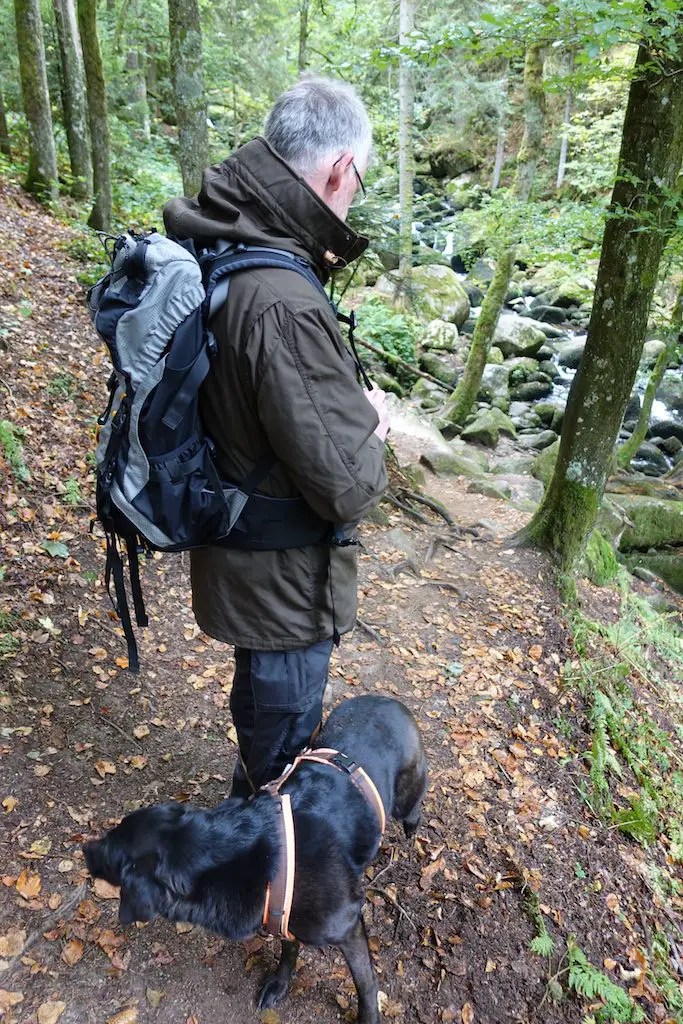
(211, 867)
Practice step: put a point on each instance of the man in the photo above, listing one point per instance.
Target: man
(284, 383)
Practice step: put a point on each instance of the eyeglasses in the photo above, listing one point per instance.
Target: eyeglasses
(358, 177)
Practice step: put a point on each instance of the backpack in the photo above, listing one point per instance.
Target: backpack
(158, 487)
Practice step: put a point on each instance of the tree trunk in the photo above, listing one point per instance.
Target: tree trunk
(465, 395)
(73, 97)
(5, 146)
(639, 219)
(406, 171)
(564, 144)
(187, 75)
(629, 449)
(534, 122)
(100, 216)
(500, 144)
(41, 177)
(303, 34)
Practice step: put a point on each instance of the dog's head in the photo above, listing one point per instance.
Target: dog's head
(146, 856)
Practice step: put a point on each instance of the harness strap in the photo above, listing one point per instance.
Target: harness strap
(280, 892)
(114, 567)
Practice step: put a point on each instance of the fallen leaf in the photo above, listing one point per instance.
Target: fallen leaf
(140, 731)
(41, 770)
(72, 952)
(41, 846)
(12, 942)
(49, 1013)
(535, 652)
(232, 734)
(8, 999)
(490, 966)
(64, 866)
(269, 1017)
(9, 803)
(154, 997)
(122, 662)
(54, 901)
(467, 1013)
(105, 891)
(105, 768)
(28, 884)
(127, 1016)
(427, 874)
(139, 761)
(183, 926)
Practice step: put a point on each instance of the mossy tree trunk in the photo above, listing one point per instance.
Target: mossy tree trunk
(100, 215)
(5, 145)
(566, 120)
(303, 35)
(41, 177)
(187, 74)
(629, 449)
(73, 97)
(463, 398)
(135, 73)
(406, 166)
(534, 122)
(639, 219)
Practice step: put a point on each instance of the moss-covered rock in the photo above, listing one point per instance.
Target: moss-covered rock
(531, 390)
(487, 427)
(388, 383)
(544, 464)
(452, 156)
(440, 335)
(440, 368)
(668, 565)
(453, 463)
(435, 293)
(656, 522)
(495, 357)
(491, 487)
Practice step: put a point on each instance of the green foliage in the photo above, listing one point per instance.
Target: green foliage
(9, 621)
(639, 820)
(12, 449)
(542, 943)
(388, 329)
(55, 548)
(62, 385)
(600, 560)
(87, 249)
(590, 983)
(72, 492)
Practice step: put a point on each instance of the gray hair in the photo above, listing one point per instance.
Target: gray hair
(317, 118)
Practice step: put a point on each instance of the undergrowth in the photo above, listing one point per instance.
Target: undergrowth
(12, 449)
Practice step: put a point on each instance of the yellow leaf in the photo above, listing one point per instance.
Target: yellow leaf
(467, 1013)
(269, 1017)
(127, 1016)
(9, 803)
(41, 770)
(140, 731)
(82, 617)
(536, 652)
(54, 901)
(105, 768)
(12, 943)
(28, 884)
(49, 1013)
(153, 997)
(122, 662)
(8, 999)
(490, 966)
(72, 952)
(183, 926)
(232, 734)
(64, 866)
(139, 761)
(104, 890)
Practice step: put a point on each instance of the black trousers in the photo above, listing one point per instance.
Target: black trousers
(276, 705)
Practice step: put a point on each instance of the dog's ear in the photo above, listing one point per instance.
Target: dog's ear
(142, 897)
(94, 858)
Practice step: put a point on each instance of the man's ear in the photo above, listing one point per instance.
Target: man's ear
(336, 176)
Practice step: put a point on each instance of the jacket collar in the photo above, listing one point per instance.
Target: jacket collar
(328, 239)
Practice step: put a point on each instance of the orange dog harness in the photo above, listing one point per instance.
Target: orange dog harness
(280, 892)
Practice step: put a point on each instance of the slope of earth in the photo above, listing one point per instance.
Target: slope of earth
(469, 634)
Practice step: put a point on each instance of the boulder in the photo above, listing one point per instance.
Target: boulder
(442, 369)
(474, 294)
(515, 465)
(547, 314)
(650, 460)
(437, 293)
(453, 463)
(481, 271)
(522, 367)
(538, 442)
(656, 522)
(441, 336)
(491, 488)
(670, 392)
(569, 353)
(560, 286)
(517, 336)
(452, 157)
(386, 382)
(544, 464)
(632, 410)
(531, 391)
(670, 445)
(487, 427)
(650, 353)
(495, 357)
(667, 565)
(666, 428)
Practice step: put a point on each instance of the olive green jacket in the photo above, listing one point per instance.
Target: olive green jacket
(283, 382)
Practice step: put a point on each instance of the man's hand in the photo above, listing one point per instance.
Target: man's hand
(378, 400)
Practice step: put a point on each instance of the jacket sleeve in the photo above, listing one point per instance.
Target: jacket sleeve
(319, 422)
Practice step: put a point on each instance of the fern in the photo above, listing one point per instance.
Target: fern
(542, 944)
(590, 983)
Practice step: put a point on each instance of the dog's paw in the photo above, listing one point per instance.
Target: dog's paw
(273, 992)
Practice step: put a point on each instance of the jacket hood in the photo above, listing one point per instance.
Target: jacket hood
(255, 197)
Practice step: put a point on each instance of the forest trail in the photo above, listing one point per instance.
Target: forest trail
(468, 633)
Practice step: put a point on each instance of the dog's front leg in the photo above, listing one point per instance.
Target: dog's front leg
(276, 985)
(355, 949)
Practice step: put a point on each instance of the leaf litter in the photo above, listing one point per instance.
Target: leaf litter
(84, 742)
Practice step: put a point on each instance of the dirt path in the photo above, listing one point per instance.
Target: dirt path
(469, 635)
